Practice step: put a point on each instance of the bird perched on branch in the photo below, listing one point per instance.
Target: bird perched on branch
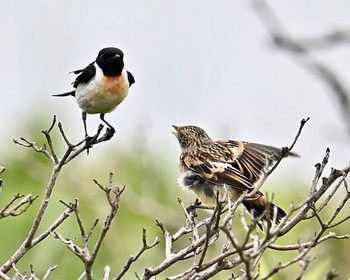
(210, 168)
(101, 86)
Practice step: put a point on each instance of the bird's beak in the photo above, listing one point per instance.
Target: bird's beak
(175, 131)
(116, 56)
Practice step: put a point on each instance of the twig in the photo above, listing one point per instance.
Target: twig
(52, 154)
(19, 208)
(83, 253)
(214, 220)
(168, 240)
(133, 259)
(285, 151)
(106, 273)
(190, 219)
(301, 50)
(4, 276)
(48, 272)
(2, 169)
(53, 226)
(71, 152)
(314, 197)
(293, 247)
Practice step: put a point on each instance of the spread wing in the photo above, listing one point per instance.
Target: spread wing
(237, 164)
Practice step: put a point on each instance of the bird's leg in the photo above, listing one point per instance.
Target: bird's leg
(87, 138)
(110, 129)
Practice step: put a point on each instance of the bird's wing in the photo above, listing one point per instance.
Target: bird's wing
(85, 75)
(239, 164)
(131, 78)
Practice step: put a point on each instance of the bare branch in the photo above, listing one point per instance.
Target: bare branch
(18, 208)
(285, 151)
(133, 259)
(301, 50)
(106, 273)
(48, 272)
(2, 169)
(4, 276)
(293, 247)
(71, 152)
(53, 226)
(168, 240)
(47, 133)
(83, 253)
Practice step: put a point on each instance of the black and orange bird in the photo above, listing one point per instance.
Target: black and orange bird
(101, 86)
(211, 168)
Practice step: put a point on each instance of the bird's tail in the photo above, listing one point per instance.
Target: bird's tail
(262, 209)
(71, 93)
(269, 151)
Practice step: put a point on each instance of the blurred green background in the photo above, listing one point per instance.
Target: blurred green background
(149, 175)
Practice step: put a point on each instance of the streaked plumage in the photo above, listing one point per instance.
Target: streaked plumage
(209, 167)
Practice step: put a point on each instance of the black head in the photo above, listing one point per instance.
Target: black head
(191, 137)
(110, 60)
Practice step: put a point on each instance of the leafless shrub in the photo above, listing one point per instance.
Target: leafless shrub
(243, 253)
(246, 254)
(20, 203)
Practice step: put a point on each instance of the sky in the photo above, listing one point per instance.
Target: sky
(207, 63)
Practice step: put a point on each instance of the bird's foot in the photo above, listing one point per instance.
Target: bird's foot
(109, 133)
(88, 143)
(192, 208)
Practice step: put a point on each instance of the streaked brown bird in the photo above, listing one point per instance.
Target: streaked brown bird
(209, 168)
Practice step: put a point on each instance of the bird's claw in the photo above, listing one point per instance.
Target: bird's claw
(109, 133)
(88, 143)
(192, 208)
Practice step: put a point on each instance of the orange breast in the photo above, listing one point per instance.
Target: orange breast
(115, 85)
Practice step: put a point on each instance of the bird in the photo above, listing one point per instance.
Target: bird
(210, 168)
(101, 86)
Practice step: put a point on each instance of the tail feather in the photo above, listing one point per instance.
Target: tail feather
(71, 93)
(269, 151)
(260, 211)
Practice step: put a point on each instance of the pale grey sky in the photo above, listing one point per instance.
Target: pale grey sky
(207, 63)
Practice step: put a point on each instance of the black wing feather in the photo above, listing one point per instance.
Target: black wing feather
(131, 78)
(85, 75)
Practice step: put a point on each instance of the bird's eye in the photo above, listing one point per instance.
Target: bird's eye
(184, 142)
